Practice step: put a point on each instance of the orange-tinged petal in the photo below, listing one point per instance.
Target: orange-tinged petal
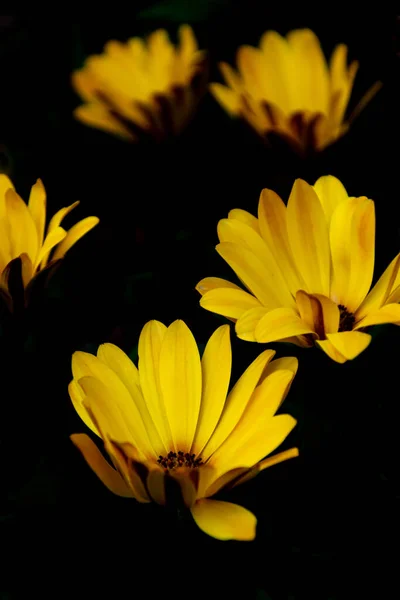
(74, 234)
(107, 475)
(331, 192)
(156, 485)
(246, 324)
(229, 302)
(224, 520)
(180, 382)
(97, 115)
(308, 237)
(381, 290)
(37, 207)
(331, 351)
(349, 343)
(22, 230)
(390, 313)
(122, 456)
(237, 401)
(216, 366)
(280, 323)
(212, 283)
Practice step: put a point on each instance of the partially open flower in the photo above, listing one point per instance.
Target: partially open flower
(308, 268)
(172, 430)
(25, 250)
(287, 88)
(142, 88)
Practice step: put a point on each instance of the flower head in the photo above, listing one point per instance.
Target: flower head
(308, 268)
(22, 234)
(286, 87)
(171, 428)
(142, 87)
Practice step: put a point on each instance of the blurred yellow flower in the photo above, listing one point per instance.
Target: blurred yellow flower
(22, 234)
(142, 87)
(308, 268)
(171, 429)
(286, 87)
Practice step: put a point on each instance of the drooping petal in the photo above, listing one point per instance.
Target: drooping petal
(308, 237)
(37, 207)
(279, 324)
(74, 234)
(105, 472)
(216, 366)
(180, 382)
(229, 302)
(22, 230)
(350, 343)
(330, 350)
(224, 520)
(389, 313)
(123, 456)
(77, 396)
(246, 324)
(266, 463)
(331, 192)
(156, 486)
(381, 290)
(237, 401)
(212, 283)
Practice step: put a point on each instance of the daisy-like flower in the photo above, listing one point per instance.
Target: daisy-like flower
(286, 87)
(308, 268)
(23, 239)
(172, 430)
(142, 87)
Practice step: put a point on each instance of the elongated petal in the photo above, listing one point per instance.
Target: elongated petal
(37, 207)
(77, 396)
(52, 239)
(246, 325)
(279, 324)
(22, 230)
(211, 283)
(229, 302)
(237, 401)
(308, 237)
(60, 215)
(180, 382)
(150, 342)
(107, 475)
(330, 350)
(244, 217)
(74, 234)
(350, 343)
(381, 290)
(122, 456)
(97, 115)
(352, 237)
(331, 192)
(224, 520)
(266, 463)
(390, 313)
(216, 366)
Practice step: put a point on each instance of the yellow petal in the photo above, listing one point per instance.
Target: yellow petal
(122, 456)
(273, 227)
(319, 312)
(185, 478)
(229, 302)
(308, 237)
(37, 207)
(188, 43)
(331, 192)
(227, 98)
(156, 485)
(211, 283)
(77, 396)
(352, 238)
(98, 116)
(244, 217)
(180, 382)
(224, 521)
(124, 368)
(22, 230)
(107, 475)
(5, 184)
(150, 342)
(349, 343)
(232, 79)
(279, 72)
(246, 324)
(216, 366)
(237, 401)
(60, 215)
(390, 313)
(74, 234)
(340, 81)
(280, 323)
(381, 290)
(52, 239)
(251, 270)
(266, 463)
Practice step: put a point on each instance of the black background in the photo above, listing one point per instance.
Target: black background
(328, 520)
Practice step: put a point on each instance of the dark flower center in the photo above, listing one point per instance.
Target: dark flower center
(346, 320)
(173, 460)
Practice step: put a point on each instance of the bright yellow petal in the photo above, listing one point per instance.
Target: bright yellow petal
(244, 217)
(216, 366)
(37, 207)
(381, 290)
(246, 324)
(107, 475)
(60, 215)
(227, 98)
(319, 312)
(229, 302)
(390, 313)
(330, 350)
(341, 81)
(77, 396)
(52, 239)
(150, 342)
(212, 283)
(237, 401)
(266, 463)
(74, 234)
(308, 237)
(352, 238)
(188, 43)
(22, 230)
(331, 192)
(180, 382)
(224, 521)
(122, 456)
(5, 184)
(350, 343)
(279, 324)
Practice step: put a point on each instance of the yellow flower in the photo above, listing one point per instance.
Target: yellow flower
(286, 87)
(22, 237)
(142, 87)
(171, 429)
(308, 267)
